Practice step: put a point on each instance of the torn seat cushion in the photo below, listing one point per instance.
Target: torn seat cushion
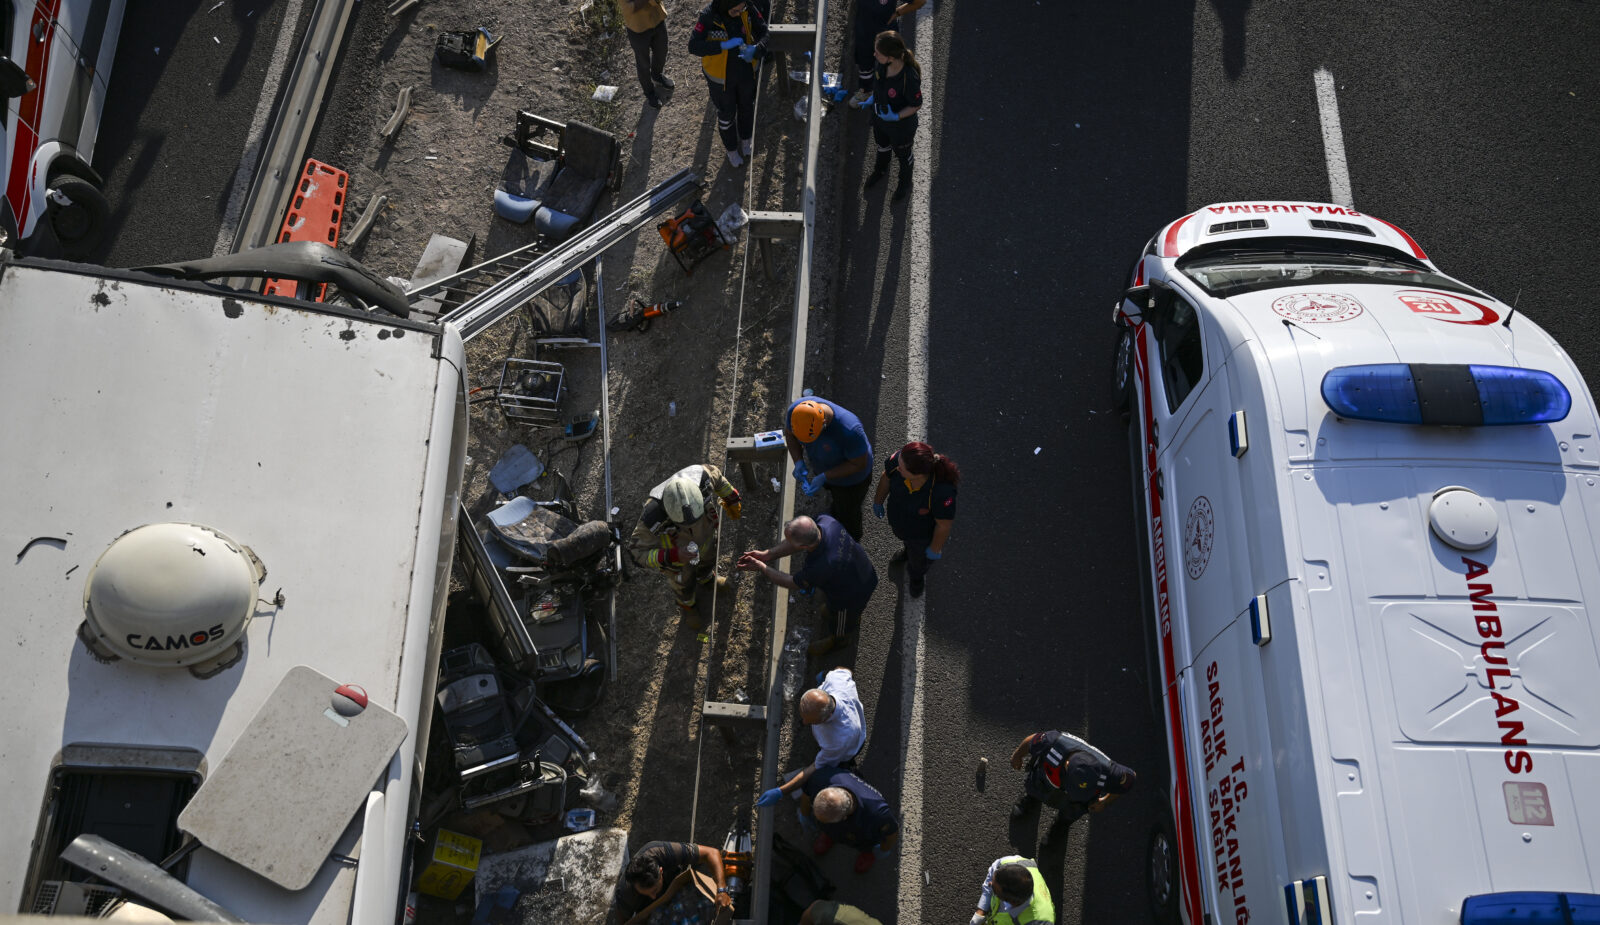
(587, 157)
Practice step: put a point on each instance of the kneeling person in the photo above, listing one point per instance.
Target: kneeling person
(653, 869)
(847, 809)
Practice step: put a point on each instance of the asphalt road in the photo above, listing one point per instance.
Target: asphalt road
(1063, 137)
(184, 93)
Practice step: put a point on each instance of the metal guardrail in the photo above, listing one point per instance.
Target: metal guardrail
(515, 290)
(291, 128)
(776, 715)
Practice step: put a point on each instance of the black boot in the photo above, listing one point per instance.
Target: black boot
(880, 168)
(902, 186)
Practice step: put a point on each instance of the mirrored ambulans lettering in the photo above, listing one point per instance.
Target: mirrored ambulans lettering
(1224, 800)
(1487, 619)
(1260, 207)
(193, 639)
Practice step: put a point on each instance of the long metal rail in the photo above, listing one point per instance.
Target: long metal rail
(762, 887)
(291, 128)
(475, 315)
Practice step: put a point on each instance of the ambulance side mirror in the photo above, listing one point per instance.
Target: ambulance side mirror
(1134, 303)
(14, 81)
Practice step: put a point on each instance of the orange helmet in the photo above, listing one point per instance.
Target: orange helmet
(807, 420)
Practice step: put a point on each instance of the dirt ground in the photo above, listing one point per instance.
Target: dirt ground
(718, 367)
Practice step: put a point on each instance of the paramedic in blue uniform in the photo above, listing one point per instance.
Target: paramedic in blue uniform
(917, 491)
(1069, 774)
(873, 17)
(896, 97)
(830, 449)
(729, 38)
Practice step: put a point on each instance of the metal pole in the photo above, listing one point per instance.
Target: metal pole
(605, 456)
(475, 315)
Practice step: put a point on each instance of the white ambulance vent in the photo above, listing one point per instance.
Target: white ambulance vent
(171, 595)
(1244, 224)
(1346, 227)
(1461, 518)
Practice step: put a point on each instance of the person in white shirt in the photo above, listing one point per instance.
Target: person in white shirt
(838, 722)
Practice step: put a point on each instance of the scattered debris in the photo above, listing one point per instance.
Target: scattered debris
(402, 107)
(465, 51)
(604, 93)
(364, 223)
(56, 541)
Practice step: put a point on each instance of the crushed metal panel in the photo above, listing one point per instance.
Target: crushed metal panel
(567, 880)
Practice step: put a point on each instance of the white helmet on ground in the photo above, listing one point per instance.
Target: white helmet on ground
(682, 498)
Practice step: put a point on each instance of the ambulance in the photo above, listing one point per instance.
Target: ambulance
(1369, 499)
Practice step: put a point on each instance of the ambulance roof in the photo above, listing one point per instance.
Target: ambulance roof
(1451, 692)
(301, 433)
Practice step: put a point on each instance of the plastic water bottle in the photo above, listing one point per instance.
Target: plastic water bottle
(672, 409)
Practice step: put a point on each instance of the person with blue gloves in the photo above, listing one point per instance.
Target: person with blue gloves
(896, 98)
(917, 492)
(729, 38)
(835, 564)
(872, 17)
(838, 722)
(831, 450)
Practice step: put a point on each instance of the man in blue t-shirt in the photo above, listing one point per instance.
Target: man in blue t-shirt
(830, 448)
(835, 564)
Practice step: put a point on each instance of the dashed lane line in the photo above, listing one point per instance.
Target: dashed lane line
(1333, 139)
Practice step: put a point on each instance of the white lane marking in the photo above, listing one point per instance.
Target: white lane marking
(281, 56)
(911, 666)
(1333, 139)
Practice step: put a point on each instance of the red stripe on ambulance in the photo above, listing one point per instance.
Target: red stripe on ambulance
(1169, 244)
(1415, 247)
(29, 106)
(1187, 861)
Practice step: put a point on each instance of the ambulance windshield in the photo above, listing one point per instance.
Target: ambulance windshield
(1227, 273)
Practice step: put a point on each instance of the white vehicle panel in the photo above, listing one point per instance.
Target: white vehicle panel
(1423, 715)
(312, 438)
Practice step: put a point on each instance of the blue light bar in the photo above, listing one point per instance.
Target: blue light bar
(1446, 394)
(1531, 907)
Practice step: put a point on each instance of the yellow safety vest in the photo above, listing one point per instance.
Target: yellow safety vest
(1039, 908)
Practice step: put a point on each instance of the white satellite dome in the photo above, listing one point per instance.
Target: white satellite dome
(171, 595)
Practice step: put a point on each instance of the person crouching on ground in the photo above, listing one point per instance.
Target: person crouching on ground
(917, 491)
(837, 805)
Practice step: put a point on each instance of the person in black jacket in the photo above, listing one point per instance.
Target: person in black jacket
(871, 18)
(729, 38)
(896, 97)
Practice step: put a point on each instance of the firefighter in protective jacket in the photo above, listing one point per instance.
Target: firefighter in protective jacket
(677, 531)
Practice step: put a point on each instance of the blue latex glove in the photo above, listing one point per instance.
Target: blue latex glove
(878, 510)
(931, 554)
(814, 485)
(866, 102)
(887, 114)
(732, 43)
(770, 797)
(800, 471)
(821, 676)
(747, 52)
